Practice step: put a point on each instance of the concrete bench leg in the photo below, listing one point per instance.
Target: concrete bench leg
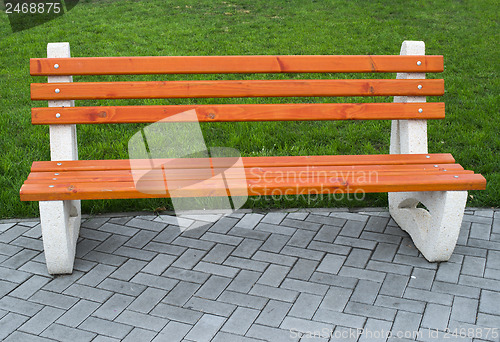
(434, 231)
(60, 221)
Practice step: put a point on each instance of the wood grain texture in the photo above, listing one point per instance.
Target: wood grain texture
(232, 64)
(233, 88)
(116, 189)
(249, 162)
(239, 112)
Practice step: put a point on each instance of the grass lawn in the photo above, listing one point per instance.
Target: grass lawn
(465, 32)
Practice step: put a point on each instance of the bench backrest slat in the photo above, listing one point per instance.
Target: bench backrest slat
(239, 112)
(233, 64)
(244, 88)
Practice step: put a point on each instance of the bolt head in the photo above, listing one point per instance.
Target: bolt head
(58, 91)
(51, 186)
(59, 164)
(56, 174)
(58, 115)
(435, 166)
(419, 63)
(419, 86)
(427, 156)
(455, 176)
(56, 66)
(420, 110)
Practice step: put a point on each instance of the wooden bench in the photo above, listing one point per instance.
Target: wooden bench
(409, 173)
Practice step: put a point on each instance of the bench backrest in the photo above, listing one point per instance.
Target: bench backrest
(61, 91)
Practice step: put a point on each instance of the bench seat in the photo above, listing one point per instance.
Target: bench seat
(112, 179)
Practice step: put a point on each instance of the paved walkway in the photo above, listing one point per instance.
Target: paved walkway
(252, 277)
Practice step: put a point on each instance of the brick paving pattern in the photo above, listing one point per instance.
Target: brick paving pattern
(309, 275)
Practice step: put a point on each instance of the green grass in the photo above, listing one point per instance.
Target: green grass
(465, 32)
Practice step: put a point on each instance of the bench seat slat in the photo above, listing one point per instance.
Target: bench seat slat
(253, 172)
(235, 88)
(111, 190)
(239, 112)
(284, 161)
(232, 64)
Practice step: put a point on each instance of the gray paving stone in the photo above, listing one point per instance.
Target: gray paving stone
(14, 276)
(414, 261)
(274, 293)
(455, 289)
(18, 336)
(221, 270)
(78, 313)
(146, 224)
(436, 316)
(366, 291)
(29, 287)
(6, 287)
(249, 221)
(105, 258)
(141, 239)
(358, 257)
(219, 253)
(273, 218)
(352, 272)
(429, 296)
(113, 306)
(336, 299)
(400, 303)
(147, 300)
(10, 323)
(213, 287)
(141, 320)
(275, 229)
(249, 233)
(275, 243)
(150, 280)
(333, 280)
(493, 260)
(223, 225)
(301, 224)
(104, 327)
(128, 270)
(355, 242)
(181, 293)
(331, 263)
(472, 251)
(489, 302)
(96, 275)
(138, 334)
(372, 311)
(19, 258)
(376, 224)
(327, 233)
(305, 306)
(210, 306)
(329, 247)
(274, 275)
(274, 313)
(488, 320)
(173, 332)
(38, 323)
(405, 324)
(240, 321)
(340, 318)
(473, 266)
(11, 234)
(175, 313)
(464, 309)
(247, 248)
(270, 334)
(350, 216)
(492, 273)
(479, 283)
(304, 286)
(480, 231)
(174, 220)
(242, 299)
(305, 253)
(298, 216)
(352, 228)
(422, 278)
(60, 332)
(244, 281)
(193, 243)
(189, 258)
(186, 275)
(375, 330)
(448, 272)
(159, 264)
(303, 269)
(307, 327)
(19, 306)
(95, 222)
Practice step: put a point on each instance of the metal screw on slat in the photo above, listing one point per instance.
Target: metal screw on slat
(56, 174)
(59, 164)
(57, 90)
(56, 66)
(420, 110)
(51, 186)
(455, 176)
(445, 170)
(54, 178)
(427, 156)
(419, 87)
(419, 63)
(58, 115)
(435, 166)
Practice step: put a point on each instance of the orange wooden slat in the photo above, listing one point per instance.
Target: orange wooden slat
(232, 64)
(115, 190)
(285, 161)
(233, 88)
(239, 112)
(253, 172)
